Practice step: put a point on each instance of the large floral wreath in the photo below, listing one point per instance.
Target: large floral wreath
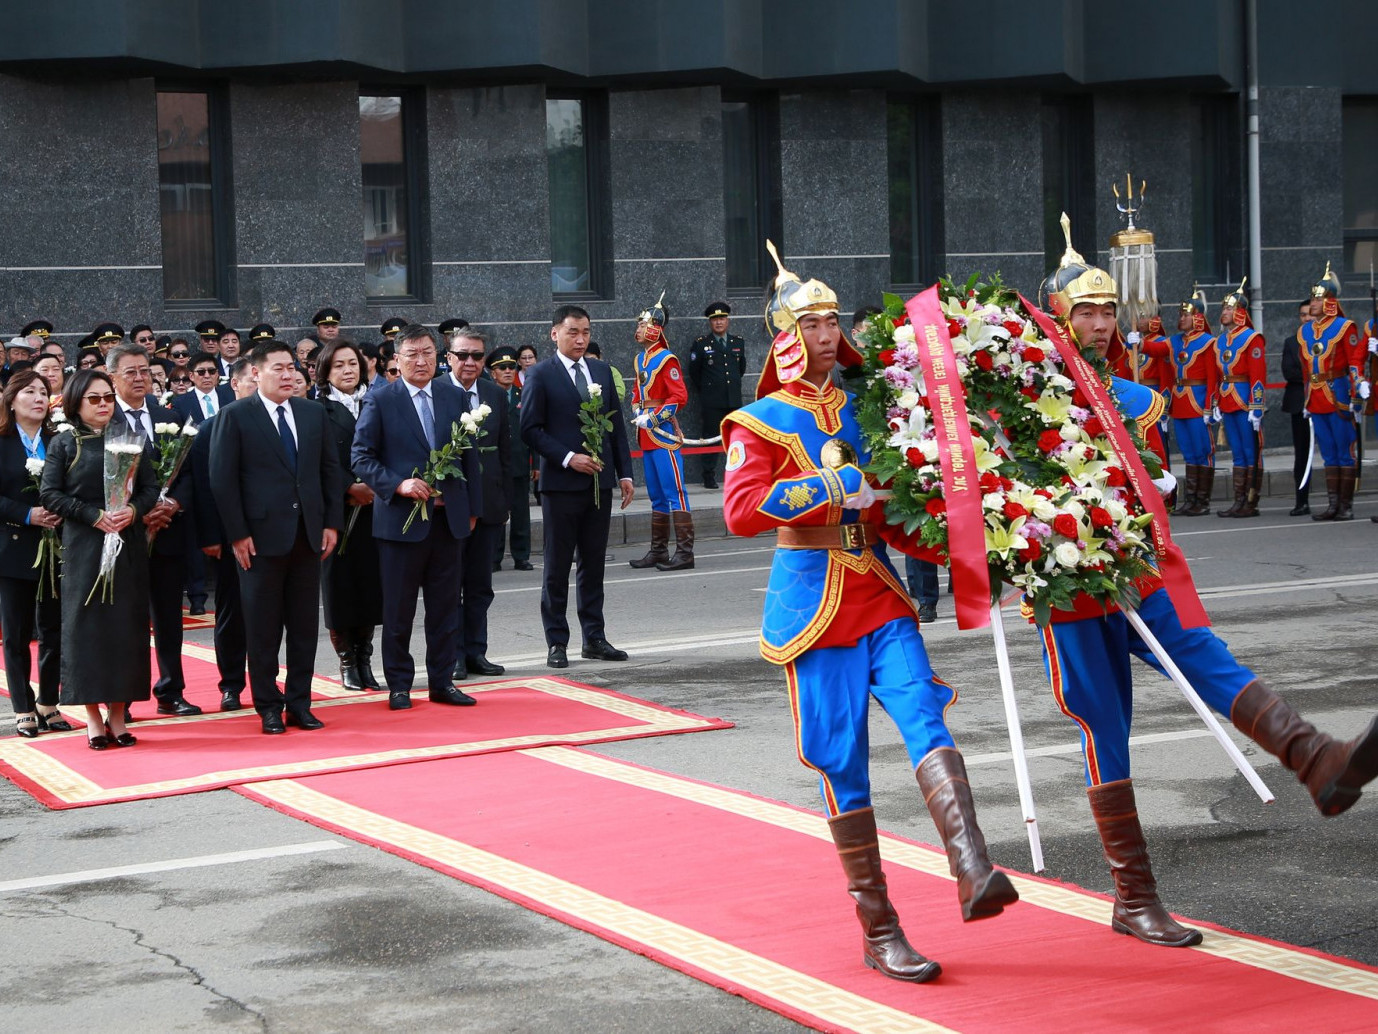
(1060, 517)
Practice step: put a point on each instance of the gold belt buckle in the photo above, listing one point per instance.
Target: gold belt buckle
(853, 536)
(1317, 379)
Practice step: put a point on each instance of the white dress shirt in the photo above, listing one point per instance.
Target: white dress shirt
(272, 408)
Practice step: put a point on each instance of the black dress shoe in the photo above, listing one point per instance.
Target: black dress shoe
(928, 613)
(602, 650)
(272, 724)
(97, 742)
(304, 720)
(461, 672)
(497, 565)
(178, 707)
(229, 701)
(451, 695)
(483, 666)
(124, 739)
(1300, 510)
(400, 701)
(710, 482)
(556, 658)
(197, 609)
(523, 566)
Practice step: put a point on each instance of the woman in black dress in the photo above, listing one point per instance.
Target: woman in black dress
(24, 434)
(104, 644)
(351, 584)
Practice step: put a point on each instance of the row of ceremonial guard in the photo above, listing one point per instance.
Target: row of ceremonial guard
(1211, 379)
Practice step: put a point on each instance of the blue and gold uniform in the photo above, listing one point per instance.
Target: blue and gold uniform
(1239, 352)
(1190, 357)
(657, 397)
(1334, 359)
(838, 619)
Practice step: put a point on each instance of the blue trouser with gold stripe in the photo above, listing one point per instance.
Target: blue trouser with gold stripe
(665, 480)
(829, 693)
(1088, 665)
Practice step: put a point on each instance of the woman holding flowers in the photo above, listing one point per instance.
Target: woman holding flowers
(104, 633)
(27, 586)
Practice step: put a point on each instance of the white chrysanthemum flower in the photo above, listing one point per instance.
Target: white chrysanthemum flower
(33, 465)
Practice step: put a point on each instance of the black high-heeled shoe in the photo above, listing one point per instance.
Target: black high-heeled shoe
(97, 742)
(26, 725)
(124, 739)
(54, 722)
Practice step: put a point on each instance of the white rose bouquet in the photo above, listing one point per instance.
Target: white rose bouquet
(444, 462)
(123, 450)
(596, 425)
(49, 545)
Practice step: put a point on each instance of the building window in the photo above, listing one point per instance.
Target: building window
(1216, 190)
(751, 187)
(391, 139)
(193, 195)
(1069, 153)
(576, 147)
(1360, 129)
(914, 151)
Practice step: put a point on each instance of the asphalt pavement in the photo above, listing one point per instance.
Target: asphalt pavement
(256, 921)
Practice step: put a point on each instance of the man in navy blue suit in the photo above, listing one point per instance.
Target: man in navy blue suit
(207, 396)
(399, 424)
(551, 398)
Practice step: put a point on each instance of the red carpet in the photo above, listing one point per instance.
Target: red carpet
(185, 755)
(748, 895)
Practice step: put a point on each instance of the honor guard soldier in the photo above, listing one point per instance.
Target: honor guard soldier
(392, 326)
(1243, 370)
(717, 363)
(1154, 371)
(327, 323)
(1190, 355)
(657, 395)
(838, 619)
(1334, 359)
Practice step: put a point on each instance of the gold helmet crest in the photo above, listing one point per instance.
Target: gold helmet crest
(1075, 281)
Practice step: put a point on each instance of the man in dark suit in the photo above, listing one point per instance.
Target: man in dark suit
(128, 365)
(502, 365)
(467, 355)
(277, 481)
(399, 425)
(231, 650)
(552, 396)
(207, 394)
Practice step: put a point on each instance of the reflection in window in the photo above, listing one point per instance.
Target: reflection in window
(914, 158)
(751, 187)
(186, 193)
(567, 163)
(382, 150)
(1360, 129)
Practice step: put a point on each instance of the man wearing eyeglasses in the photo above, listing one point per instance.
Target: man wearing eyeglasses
(399, 425)
(468, 349)
(129, 369)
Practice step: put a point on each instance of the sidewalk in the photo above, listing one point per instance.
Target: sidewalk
(633, 525)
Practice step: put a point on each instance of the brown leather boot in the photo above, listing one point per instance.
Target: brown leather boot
(884, 945)
(1332, 490)
(1186, 491)
(684, 543)
(982, 891)
(349, 665)
(1253, 489)
(1344, 510)
(1241, 486)
(660, 539)
(1333, 772)
(1205, 482)
(1138, 911)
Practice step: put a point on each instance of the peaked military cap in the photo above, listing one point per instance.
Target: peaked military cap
(717, 309)
(326, 316)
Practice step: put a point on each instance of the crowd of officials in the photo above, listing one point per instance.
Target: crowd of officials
(309, 467)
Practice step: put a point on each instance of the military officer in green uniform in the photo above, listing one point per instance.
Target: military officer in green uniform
(717, 363)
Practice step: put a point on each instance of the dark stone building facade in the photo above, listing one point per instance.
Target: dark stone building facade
(881, 142)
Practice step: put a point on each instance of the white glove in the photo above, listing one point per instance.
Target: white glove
(1165, 484)
(860, 499)
(1255, 419)
(1373, 346)
(1215, 416)
(1364, 389)
(1133, 338)
(1306, 413)
(644, 420)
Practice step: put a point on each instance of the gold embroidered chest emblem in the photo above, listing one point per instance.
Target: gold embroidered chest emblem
(797, 497)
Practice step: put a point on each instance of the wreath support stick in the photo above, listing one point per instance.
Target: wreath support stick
(1199, 706)
(1021, 761)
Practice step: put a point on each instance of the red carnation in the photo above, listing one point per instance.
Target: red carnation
(984, 361)
(935, 507)
(1114, 477)
(1093, 427)
(1030, 553)
(1049, 440)
(1033, 354)
(1029, 392)
(1014, 511)
(887, 356)
(1043, 492)
(1014, 327)
(1079, 399)
(990, 481)
(1066, 526)
(954, 329)
(1100, 517)
(915, 457)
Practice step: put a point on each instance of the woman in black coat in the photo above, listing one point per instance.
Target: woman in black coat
(24, 435)
(351, 583)
(104, 644)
